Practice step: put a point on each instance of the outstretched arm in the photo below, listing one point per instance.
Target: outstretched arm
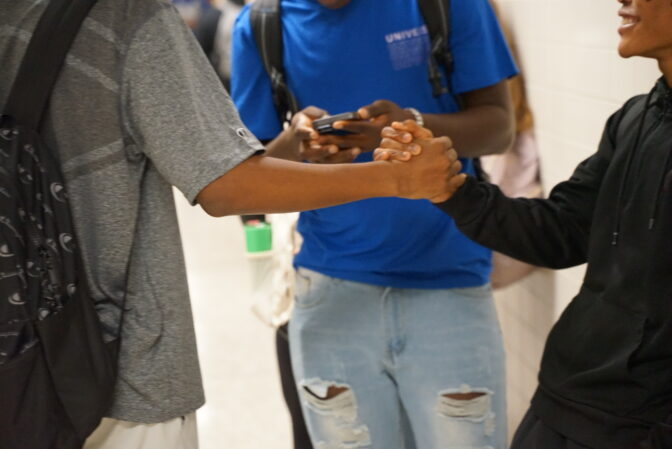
(552, 232)
(266, 184)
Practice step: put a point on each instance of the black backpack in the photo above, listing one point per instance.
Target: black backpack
(267, 29)
(56, 373)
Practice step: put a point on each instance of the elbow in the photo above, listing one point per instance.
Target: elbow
(228, 195)
(508, 138)
(217, 209)
(506, 134)
(218, 202)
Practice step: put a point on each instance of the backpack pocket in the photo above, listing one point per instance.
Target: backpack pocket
(81, 365)
(30, 415)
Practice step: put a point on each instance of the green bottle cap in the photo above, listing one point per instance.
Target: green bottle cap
(258, 237)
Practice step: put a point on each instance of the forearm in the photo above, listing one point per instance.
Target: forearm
(477, 131)
(540, 232)
(269, 185)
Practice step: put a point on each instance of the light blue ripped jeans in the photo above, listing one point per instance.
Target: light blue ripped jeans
(388, 368)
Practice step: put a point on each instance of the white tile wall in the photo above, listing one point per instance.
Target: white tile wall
(575, 80)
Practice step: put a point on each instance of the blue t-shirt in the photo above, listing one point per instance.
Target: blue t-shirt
(340, 60)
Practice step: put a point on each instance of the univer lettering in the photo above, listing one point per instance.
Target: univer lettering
(406, 34)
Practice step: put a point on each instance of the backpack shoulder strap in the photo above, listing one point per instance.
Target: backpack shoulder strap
(265, 19)
(438, 20)
(41, 65)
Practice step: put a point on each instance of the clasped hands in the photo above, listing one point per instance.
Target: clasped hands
(403, 141)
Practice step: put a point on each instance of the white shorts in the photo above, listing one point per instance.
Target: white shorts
(178, 433)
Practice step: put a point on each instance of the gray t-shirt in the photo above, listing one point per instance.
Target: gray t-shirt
(137, 108)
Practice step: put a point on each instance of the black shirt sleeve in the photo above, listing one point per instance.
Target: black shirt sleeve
(551, 232)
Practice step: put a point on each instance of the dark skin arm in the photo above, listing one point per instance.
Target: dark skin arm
(270, 185)
(485, 125)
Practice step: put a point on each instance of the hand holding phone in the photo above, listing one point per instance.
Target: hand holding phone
(324, 125)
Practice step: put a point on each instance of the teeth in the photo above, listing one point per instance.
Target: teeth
(629, 20)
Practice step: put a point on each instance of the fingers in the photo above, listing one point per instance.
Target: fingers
(343, 156)
(303, 127)
(456, 182)
(411, 126)
(329, 154)
(391, 149)
(400, 136)
(343, 142)
(306, 133)
(375, 109)
(356, 126)
(382, 154)
(455, 169)
(452, 155)
(400, 141)
(390, 144)
(303, 122)
(452, 186)
(313, 112)
(315, 152)
(442, 144)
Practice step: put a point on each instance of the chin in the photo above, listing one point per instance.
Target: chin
(624, 53)
(625, 50)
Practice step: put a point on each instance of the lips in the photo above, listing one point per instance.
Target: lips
(629, 21)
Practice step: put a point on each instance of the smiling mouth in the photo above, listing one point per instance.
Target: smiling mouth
(629, 20)
(627, 23)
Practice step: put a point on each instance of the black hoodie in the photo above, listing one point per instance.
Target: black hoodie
(606, 373)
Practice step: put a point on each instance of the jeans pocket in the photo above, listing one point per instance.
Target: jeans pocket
(311, 288)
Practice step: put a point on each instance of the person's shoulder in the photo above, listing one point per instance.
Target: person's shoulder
(150, 5)
(242, 28)
(468, 6)
(467, 15)
(634, 100)
(243, 19)
(623, 120)
(137, 10)
(125, 17)
(634, 103)
(632, 107)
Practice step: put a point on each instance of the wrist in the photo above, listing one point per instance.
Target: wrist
(285, 146)
(396, 177)
(387, 178)
(415, 115)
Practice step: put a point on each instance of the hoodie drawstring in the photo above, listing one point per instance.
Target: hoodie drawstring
(628, 164)
(659, 194)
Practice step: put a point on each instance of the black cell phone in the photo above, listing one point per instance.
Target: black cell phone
(324, 125)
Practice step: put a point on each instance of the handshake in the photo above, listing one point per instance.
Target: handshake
(433, 161)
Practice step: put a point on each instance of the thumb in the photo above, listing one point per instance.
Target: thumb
(314, 112)
(375, 109)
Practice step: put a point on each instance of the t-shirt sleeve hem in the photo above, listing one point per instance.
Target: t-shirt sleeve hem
(476, 84)
(215, 169)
